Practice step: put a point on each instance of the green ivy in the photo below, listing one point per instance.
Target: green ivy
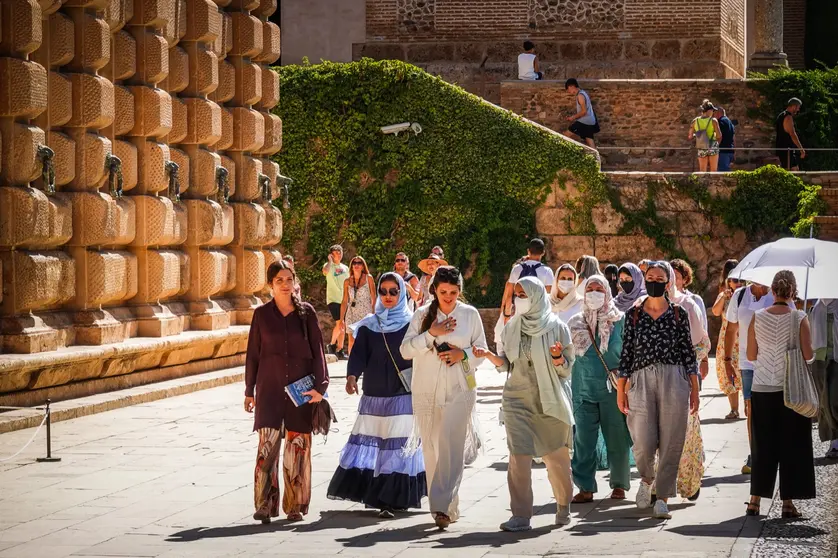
(764, 203)
(470, 182)
(817, 123)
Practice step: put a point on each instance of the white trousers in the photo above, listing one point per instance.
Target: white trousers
(443, 445)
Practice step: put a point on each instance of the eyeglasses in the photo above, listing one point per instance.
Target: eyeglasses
(392, 292)
(401, 260)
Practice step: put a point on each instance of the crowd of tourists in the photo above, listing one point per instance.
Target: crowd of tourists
(603, 370)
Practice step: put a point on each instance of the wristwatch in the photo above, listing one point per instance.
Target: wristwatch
(728, 359)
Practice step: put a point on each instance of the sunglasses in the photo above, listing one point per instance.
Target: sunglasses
(358, 263)
(737, 281)
(400, 260)
(392, 292)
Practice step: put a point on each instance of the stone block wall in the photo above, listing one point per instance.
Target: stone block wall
(476, 43)
(638, 114)
(135, 168)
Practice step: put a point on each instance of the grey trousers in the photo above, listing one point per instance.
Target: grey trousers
(659, 406)
(519, 479)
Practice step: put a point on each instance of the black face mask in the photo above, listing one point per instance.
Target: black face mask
(655, 289)
(628, 286)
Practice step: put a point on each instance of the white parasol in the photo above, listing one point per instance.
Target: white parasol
(813, 262)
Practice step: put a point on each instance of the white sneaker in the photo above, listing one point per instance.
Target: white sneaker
(563, 515)
(516, 524)
(661, 510)
(643, 500)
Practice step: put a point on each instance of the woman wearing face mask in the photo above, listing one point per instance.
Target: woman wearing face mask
(565, 299)
(730, 385)
(612, 274)
(658, 361)
(632, 287)
(537, 408)
(597, 335)
(440, 340)
(372, 469)
(691, 468)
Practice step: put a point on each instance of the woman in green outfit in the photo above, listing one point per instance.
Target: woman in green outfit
(597, 334)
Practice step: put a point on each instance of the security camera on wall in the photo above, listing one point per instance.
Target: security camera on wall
(403, 127)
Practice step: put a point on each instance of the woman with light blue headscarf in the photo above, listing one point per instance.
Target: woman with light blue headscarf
(374, 470)
(537, 401)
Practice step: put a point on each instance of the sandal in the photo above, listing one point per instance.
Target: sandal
(584, 498)
(441, 520)
(295, 516)
(752, 510)
(618, 494)
(732, 415)
(790, 512)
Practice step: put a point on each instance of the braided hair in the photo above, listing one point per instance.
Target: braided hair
(448, 275)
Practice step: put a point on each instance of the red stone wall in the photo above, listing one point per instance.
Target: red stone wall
(646, 113)
(732, 26)
(475, 43)
(794, 32)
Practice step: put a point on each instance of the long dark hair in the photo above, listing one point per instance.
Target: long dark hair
(273, 271)
(445, 274)
(729, 266)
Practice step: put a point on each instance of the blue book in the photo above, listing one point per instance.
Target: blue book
(296, 389)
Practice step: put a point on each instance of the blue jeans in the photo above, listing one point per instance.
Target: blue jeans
(747, 382)
(725, 159)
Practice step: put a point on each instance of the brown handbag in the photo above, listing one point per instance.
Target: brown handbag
(611, 373)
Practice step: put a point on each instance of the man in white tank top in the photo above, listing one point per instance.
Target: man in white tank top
(528, 63)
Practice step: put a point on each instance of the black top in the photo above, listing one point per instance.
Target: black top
(277, 355)
(728, 131)
(663, 341)
(784, 140)
(369, 357)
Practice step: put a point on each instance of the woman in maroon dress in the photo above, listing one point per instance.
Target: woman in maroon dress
(285, 345)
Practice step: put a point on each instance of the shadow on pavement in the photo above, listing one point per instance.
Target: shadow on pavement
(328, 520)
(494, 539)
(730, 528)
(825, 462)
(731, 479)
(705, 422)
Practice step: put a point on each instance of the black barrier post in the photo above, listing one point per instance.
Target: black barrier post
(49, 458)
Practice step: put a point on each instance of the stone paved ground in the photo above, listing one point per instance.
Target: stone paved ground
(172, 478)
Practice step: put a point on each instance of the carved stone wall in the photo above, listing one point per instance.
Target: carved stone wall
(135, 173)
(592, 14)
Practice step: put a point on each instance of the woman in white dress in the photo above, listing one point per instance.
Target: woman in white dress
(440, 341)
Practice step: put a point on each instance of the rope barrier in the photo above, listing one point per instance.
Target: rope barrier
(32, 439)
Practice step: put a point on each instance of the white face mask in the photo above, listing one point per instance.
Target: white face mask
(522, 306)
(594, 300)
(566, 286)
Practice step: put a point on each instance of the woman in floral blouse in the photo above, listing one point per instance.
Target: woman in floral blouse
(658, 363)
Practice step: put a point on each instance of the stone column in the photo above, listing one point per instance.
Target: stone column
(768, 36)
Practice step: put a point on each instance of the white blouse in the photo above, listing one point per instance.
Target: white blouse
(434, 382)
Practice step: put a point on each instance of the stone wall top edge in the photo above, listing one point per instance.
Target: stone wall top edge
(522, 84)
(134, 345)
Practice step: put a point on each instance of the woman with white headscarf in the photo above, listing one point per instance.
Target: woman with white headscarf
(565, 299)
(537, 401)
(597, 334)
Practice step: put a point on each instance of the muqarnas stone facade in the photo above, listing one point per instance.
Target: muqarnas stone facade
(136, 180)
(582, 14)
(416, 16)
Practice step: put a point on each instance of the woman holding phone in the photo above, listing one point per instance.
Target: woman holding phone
(439, 341)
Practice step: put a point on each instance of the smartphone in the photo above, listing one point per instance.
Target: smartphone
(442, 347)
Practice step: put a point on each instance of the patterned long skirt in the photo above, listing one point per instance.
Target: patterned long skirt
(691, 467)
(725, 384)
(296, 472)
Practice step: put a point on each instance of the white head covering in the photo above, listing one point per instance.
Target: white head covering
(570, 299)
(544, 328)
(589, 322)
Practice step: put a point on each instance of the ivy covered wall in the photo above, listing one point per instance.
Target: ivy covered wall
(470, 181)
